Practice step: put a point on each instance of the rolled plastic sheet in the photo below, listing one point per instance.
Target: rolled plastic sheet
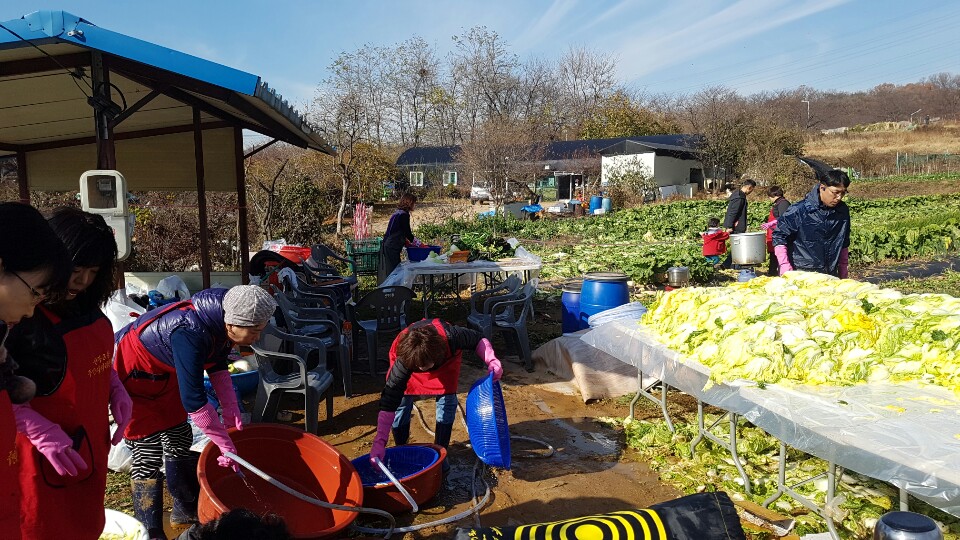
(907, 434)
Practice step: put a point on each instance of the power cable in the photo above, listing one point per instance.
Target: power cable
(73, 75)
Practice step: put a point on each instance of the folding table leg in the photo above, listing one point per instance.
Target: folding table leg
(729, 445)
(833, 471)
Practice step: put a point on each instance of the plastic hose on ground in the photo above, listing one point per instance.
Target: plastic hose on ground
(286, 489)
(550, 449)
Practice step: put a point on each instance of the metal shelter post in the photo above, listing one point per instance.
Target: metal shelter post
(201, 199)
(242, 205)
(100, 73)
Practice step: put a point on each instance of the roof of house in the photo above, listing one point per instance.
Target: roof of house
(45, 80)
(565, 150)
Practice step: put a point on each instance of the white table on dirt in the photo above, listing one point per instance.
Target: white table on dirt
(407, 273)
(905, 434)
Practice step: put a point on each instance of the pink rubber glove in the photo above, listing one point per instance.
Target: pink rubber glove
(121, 406)
(207, 419)
(782, 259)
(223, 386)
(485, 350)
(769, 225)
(50, 440)
(844, 263)
(384, 423)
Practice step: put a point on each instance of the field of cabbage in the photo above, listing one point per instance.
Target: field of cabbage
(647, 240)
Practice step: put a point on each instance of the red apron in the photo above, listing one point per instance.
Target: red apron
(437, 382)
(9, 471)
(770, 218)
(151, 383)
(79, 406)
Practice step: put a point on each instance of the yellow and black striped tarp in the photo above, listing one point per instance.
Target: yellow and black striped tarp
(704, 516)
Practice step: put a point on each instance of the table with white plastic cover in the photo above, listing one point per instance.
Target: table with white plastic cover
(906, 434)
(407, 273)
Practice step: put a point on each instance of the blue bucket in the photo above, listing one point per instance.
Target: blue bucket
(607, 205)
(596, 203)
(570, 307)
(601, 291)
(403, 462)
(487, 423)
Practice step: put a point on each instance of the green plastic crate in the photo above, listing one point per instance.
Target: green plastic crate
(366, 253)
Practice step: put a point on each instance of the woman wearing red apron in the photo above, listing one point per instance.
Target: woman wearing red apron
(779, 205)
(160, 359)
(33, 264)
(67, 349)
(425, 361)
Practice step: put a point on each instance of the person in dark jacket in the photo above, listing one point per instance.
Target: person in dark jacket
(735, 221)
(160, 358)
(814, 234)
(425, 361)
(778, 207)
(66, 348)
(397, 235)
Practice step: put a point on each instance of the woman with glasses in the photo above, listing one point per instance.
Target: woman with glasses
(814, 234)
(67, 350)
(33, 265)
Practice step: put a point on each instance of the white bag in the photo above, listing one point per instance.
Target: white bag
(173, 287)
(120, 458)
(121, 310)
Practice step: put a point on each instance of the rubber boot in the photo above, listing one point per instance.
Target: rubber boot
(442, 438)
(148, 506)
(401, 434)
(184, 488)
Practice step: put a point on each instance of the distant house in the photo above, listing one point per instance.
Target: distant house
(671, 161)
(567, 164)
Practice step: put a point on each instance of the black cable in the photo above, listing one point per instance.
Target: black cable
(73, 76)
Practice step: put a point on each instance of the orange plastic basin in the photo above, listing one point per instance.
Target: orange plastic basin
(298, 459)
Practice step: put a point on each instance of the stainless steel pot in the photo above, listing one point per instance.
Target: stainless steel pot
(906, 526)
(748, 248)
(678, 276)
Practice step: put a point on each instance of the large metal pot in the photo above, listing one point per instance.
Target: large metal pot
(906, 526)
(748, 248)
(678, 276)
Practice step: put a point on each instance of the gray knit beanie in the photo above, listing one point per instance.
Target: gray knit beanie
(247, 305)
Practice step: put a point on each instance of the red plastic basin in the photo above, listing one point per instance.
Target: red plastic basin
(422, 486)
(298, 459)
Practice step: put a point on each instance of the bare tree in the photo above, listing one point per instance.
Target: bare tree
(506, 155)
(586, 77)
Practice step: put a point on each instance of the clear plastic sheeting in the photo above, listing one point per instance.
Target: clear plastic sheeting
(904, 434)
(406, 272)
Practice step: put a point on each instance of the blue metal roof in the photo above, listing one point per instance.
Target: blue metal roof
(60, 26)
(557, 150)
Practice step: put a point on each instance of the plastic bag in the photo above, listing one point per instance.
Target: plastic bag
(120, 458)
(121, 310)
(173, 287)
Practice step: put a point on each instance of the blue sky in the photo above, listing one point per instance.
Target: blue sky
(675, 46)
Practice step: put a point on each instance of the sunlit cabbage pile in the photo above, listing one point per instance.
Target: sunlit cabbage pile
(813, 329)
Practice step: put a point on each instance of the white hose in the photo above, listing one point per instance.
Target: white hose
(283, 487)
(400, 488)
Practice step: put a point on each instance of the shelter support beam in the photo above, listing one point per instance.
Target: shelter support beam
(201, 199)
(100, 73)
(22, 183)
(260, 148)
(242, 206)
(134, 108)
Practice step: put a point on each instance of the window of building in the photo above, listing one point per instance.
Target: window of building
(450, 178)
(416, 178)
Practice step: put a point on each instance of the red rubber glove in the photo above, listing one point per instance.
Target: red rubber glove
(50, 440)
(121, 406)
(485, 351)
(384, 423)
(207, 419)
(229, 408)
(782, 259)
(844, 263)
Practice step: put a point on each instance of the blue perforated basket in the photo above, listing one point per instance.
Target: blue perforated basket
(403, 462)
(487, 423)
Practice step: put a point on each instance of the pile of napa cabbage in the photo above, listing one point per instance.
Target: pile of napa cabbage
(814, 329)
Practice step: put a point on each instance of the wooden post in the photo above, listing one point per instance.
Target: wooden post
(201, 199)
(241, 206)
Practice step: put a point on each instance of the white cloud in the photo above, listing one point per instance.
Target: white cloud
(544, 26)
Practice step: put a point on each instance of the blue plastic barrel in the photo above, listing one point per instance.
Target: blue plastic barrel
(596, 202)
(601, 291)
(570, 307)
(607, 205)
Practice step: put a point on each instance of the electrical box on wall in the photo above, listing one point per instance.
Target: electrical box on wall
(105, 193)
